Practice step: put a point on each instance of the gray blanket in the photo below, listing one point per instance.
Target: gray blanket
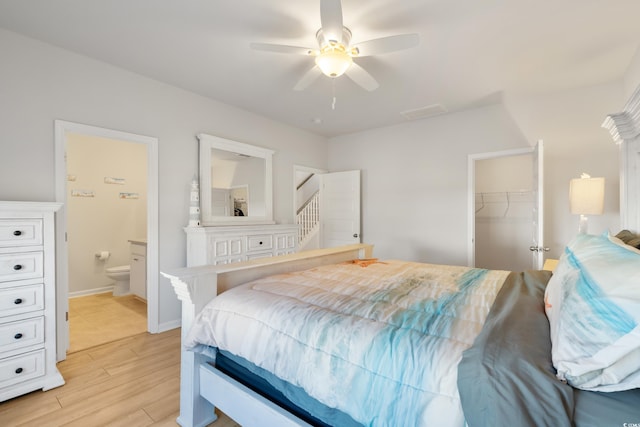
(507, 378)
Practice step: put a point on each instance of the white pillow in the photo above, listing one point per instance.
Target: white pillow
(593, 305)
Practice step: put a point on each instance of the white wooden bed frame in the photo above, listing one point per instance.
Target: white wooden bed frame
(202, 386)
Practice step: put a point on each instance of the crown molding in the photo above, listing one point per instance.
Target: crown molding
(626, 124)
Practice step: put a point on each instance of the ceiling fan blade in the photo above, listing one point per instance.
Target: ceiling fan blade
(362, 77)
(331, 20)
(387, 44)
(281, 48)
(308, 78)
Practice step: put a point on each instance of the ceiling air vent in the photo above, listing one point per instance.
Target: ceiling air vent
(424, 112)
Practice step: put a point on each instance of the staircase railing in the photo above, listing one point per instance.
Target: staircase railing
(308, 217)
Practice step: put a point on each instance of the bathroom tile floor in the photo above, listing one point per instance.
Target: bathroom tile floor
(102, 318)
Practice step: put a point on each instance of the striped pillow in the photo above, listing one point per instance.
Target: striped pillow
(593, 305)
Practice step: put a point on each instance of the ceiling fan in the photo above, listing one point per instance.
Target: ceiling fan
(335, 55)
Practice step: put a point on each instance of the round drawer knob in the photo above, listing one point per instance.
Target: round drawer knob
(17, 336)
(17, 267)
(17, 301)
(17, 233)
(19, 371)
(260, 242)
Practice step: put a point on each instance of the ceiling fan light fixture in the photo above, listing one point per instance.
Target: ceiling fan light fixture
(333, 60)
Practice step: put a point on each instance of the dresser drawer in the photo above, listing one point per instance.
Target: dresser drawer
(259, 243)
(19, 266)
(258, 255)
(20, 334)
(22, 299)
(20, 368)
(20, 232)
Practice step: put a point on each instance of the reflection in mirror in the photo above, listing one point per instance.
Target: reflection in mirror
(240, 197)
(235, 182)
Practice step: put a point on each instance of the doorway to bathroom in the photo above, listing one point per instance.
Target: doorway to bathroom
(110, 235)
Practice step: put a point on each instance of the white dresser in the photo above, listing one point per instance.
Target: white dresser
(222, 245)
(27, 298)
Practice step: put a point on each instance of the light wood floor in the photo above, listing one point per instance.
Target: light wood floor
(130, 382)
(101, 318)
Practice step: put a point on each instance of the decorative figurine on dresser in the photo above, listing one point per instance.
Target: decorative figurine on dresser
(27, 298)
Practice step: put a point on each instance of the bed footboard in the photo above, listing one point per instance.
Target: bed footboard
(195, 287)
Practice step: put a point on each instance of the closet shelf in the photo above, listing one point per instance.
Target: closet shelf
(500, 200)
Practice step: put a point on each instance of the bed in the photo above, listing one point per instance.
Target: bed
(387, 342)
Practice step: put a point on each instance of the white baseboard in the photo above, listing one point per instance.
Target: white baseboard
(167, 326)
(91, 292)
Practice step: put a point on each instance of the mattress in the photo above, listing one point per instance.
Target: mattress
(485, 331)
(287, 396)
(384, 338)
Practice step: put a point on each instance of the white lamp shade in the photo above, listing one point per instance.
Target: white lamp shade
(586, 196)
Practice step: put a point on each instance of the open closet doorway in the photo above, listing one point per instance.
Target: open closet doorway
(102, 175)
(505, 215)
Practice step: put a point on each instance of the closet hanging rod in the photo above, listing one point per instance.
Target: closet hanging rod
(490, 193)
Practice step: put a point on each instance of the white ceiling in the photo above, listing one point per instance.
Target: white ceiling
(471, 53)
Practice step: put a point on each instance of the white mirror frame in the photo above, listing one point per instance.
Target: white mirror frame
(209, 142)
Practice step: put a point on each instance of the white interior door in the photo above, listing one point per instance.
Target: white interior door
(340, 208)
(537, 243)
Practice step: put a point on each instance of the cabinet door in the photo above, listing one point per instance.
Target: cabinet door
(138, 276)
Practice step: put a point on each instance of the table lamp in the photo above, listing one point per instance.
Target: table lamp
(586, 196)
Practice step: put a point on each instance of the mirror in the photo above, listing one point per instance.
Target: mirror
(235, 182)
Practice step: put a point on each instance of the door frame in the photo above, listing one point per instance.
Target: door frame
(62, 265)
(471, 193)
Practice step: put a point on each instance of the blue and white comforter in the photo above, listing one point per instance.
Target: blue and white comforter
(379, 342)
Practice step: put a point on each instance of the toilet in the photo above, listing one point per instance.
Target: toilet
(120, 275)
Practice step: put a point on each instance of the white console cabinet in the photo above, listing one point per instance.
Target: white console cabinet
(27, 298)
(223, 245)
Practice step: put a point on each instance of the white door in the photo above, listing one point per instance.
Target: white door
(537, 243)
(339, 208)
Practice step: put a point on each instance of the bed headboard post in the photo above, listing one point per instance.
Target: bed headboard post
(194, 291)
(625, 130)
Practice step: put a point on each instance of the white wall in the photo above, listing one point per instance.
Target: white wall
(414, 180)
(570, 124)
(414, 175)
(631, 79)
(104, 222)
(40, 83)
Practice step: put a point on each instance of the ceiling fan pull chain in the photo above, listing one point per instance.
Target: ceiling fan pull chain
(333, 93)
